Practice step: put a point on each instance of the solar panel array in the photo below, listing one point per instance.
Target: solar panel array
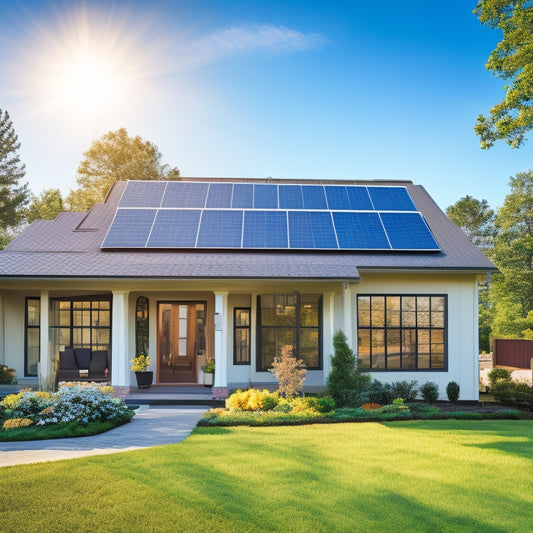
(185, 214)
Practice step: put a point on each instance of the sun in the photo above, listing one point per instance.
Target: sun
(90, 67)
(86, 82)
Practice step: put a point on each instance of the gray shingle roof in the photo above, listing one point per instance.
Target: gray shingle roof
(69, 246)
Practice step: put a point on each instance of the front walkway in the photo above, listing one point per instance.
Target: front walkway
(151, 426)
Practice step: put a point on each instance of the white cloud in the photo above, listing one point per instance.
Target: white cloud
(249, 39)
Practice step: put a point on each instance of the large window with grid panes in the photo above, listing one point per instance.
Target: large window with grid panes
(289, 323)
(81, 322)
(402, 332)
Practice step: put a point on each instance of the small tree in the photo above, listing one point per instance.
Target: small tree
(346, 381)
(498, 374)
(290, 373)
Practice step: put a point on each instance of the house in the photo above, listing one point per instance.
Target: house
(237, 270)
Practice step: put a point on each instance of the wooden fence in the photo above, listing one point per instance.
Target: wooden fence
(513, 352)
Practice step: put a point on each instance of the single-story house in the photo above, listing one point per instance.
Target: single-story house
(239, 269)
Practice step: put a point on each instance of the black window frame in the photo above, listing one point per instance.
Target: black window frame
(298, 327)
(417, 328)
(91, 298)
(235, 328)
(27, 326)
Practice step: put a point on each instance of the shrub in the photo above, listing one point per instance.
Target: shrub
(498, 374)
(371, 406)
(7, 375)
(325, 404)
(514, 393)
(452, 391)
(290, 373)
(346, 381)
(405, 389)
(430, 392)
(25, 404)
(379, 392)
(252, 400)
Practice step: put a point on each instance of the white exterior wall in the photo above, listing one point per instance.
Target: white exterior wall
(462, 326)
(339, 300)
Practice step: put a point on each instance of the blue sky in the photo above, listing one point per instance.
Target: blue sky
(286, 89)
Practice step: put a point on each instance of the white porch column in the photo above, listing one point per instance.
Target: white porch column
(120, 372)
(329, 325)
(220, 387)
(347, 313)
(2, 336)
(46, 364)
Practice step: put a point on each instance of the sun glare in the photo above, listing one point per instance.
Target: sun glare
(87, 67)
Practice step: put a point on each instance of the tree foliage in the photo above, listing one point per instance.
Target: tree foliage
(512, 290)
(512, 60)
(116, 156)
(14, 194)
(46, 206)
(290, 373)
(475, 218)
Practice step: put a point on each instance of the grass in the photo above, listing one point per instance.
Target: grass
(443, 475)
(61, 431)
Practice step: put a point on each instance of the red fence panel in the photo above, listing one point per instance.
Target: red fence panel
(513, 352)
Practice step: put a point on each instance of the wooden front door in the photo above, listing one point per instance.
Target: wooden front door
(181, 337)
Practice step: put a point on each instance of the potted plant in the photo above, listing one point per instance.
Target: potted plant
(140, 367)
(209, 371)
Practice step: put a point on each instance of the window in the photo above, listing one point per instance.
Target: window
(141, 326)
(241, 336)
(32, 344)
(289, 322)
(402, 332)
(81, 322)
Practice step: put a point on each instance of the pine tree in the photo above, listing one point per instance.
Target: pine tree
(346, 382)
(14, 194)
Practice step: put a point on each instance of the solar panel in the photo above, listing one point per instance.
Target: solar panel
(391, 199)
(220, 229)
(359, 198)
(220, 195)
(243, 195)
(265, 229)
(408, 231)
(185, 194)
(360, 231)
(143, 194)
(314, 197)
(226, 215)
(337, 197)
(130, 228)
(175, 228)
(311, 230)
(290, 197)
(265, 196)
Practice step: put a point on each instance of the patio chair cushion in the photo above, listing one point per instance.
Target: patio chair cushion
(67, 361)
(99, 363)
(83, 356)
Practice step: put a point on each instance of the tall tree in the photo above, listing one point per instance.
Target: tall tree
(512, 290)
(512, 60)
(475, 218)
(116, 156)
(46, 206)
(14, 194)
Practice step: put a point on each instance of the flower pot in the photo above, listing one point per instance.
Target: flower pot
(208, 379)
(144, 379)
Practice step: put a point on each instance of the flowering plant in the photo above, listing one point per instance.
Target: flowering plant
(140, 363)
(209, 366)
(7, 375)
(69, 404)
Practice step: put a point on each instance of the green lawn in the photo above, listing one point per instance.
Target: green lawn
(447, 475)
